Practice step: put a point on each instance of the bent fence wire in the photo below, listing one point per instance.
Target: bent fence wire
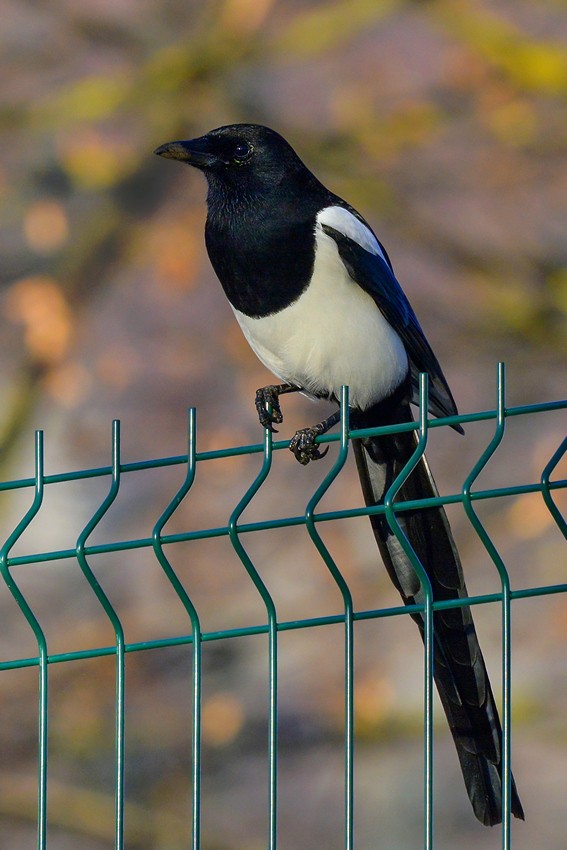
(237, 532)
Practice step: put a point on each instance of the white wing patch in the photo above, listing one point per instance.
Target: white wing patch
(334, 333)
(348, 224)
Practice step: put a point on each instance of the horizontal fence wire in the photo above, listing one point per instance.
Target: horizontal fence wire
(235, 531)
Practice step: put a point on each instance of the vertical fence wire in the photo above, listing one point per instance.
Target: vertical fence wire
(195, 629)
(310, 519)
(272, 637)
(40, 638)
(554, 461)
(118, 632)
(506, 606)
(428, 635)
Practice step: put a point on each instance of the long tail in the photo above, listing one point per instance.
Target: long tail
(460, 673)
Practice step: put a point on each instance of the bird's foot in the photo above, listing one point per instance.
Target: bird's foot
(268, 404)
(304, 447)
(303, 443)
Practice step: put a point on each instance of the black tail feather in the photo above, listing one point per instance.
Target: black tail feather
(459, 669)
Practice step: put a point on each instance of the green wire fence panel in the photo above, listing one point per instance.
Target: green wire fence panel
(237, 532)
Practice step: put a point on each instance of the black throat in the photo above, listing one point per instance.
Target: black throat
(261, 245)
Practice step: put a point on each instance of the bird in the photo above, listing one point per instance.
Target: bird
(316, 297)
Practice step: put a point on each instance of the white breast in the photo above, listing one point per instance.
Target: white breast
(334, 333)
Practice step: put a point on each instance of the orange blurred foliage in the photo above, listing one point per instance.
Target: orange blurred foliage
(38, 303)
(93, 160)
(223, 718)
(46, 227)
(174, 250)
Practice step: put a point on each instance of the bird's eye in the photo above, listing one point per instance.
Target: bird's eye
(242, 152)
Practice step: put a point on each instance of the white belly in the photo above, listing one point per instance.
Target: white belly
(334, 334)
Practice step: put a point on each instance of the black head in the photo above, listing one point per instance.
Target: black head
(248, 157)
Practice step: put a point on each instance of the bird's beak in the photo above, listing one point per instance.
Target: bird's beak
(192, 152)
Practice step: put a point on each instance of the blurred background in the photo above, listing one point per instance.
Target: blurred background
(445, 124)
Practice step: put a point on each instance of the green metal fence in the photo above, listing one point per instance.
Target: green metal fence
(237, 532)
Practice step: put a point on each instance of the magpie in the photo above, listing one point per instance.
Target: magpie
(315, 295)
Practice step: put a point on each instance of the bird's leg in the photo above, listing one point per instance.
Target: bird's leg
(268, 404)
(303, 443)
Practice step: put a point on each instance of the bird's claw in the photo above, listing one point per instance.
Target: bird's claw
(268, 407)
(304, 447)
